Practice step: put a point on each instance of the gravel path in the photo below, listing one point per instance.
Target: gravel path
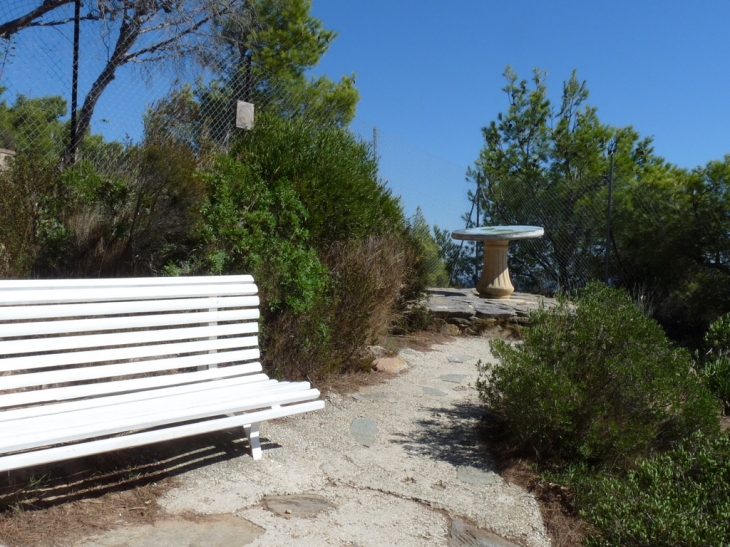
(422, 481)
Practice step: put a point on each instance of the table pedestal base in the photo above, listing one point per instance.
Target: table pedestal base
(495, 281)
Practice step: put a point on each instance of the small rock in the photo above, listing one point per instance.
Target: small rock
(450, 330)
(433, 392)
(391, 365)
(453, 378)
(466, 535)
(459, 358)
(296, 505)
(472, 475)
(364, 430)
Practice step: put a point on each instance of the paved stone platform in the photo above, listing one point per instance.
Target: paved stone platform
(465, 308)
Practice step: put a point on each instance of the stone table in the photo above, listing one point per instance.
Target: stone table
(495, 281)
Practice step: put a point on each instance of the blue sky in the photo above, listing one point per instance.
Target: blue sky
(430, 74)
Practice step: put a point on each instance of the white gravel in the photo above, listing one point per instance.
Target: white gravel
(402, 490)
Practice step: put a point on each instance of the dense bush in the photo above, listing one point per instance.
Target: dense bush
(716, 361)
(361, 300)
(300, 207)
(332, 173)
(681, 497)
(597, 382)
(23, 186)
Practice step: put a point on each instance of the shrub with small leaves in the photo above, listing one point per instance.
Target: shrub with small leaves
(681, 497)
(596, 381)
(716, 369)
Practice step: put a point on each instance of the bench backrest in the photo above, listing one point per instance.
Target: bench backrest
(71, 339)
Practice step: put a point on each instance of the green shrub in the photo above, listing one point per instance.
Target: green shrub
(332, 173)
(716, 369)
(681, 497)
(596, 382)
(357, 309)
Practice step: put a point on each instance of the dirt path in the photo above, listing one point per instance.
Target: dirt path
(394, 464)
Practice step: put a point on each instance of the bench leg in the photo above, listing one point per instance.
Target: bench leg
(252, 432)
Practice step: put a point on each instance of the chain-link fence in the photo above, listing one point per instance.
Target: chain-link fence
(90, 80)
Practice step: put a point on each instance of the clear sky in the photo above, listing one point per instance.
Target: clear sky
(430, 73)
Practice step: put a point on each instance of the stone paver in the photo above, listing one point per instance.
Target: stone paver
(296, 505)
(364, 430)
(472, 475)
(453, 378)
(459, 358)
(466, 535)
(433, 391)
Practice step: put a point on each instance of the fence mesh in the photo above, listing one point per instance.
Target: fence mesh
(160, 78)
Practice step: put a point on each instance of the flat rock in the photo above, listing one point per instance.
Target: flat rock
(453, 378)
(364, 430)
(433, 392)
(494, 311)
(459, 358)
(211, 531)
(391, 365)
(296, 505)
(466, 535)
(453, 308)
(472, 475)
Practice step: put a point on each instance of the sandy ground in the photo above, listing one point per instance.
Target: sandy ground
(424, 469)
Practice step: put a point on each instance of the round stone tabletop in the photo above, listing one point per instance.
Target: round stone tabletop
(490, 233)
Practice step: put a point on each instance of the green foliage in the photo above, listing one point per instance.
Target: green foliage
(598, 382)
(23, 187)
(256, 226)
(333, 174)
(436, 275)
(33, 125)
(681, 497)
(716, 362)
(685, 263)
(364, 286)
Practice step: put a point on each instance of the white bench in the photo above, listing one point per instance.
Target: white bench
(91, 366)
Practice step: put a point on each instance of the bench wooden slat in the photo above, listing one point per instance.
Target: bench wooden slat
(259, 380)
(121, 386)
(53, 284)
(33, 362)
(128, 405)
(104, 294)
(144, 417)
(17, 381)
(15, 347)
(17, 461)
(127, 322)
(19, 313)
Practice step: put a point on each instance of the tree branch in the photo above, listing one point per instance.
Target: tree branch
(16, 25)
